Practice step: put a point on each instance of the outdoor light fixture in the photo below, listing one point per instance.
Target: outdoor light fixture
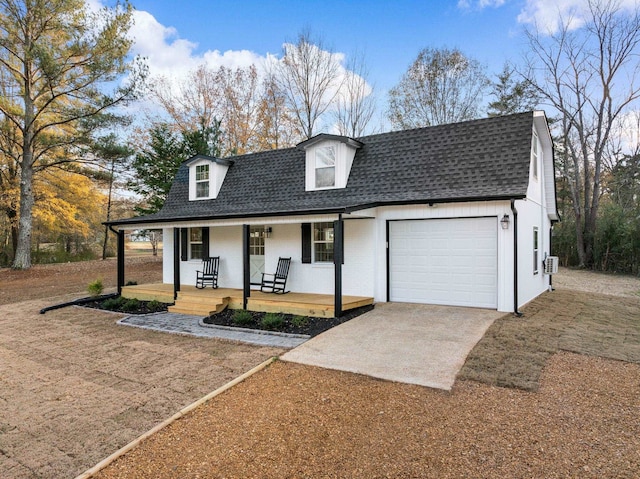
(268, 231)
(504, 222)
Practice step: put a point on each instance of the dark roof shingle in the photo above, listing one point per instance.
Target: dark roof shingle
(472, 160)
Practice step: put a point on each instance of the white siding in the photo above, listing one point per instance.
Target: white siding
(453, 210)
(167, 255)
(359, 269)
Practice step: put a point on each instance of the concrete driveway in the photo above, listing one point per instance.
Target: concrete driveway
(409, 343)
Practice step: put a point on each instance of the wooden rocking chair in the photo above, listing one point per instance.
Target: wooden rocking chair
(276, 282)
(209, 273)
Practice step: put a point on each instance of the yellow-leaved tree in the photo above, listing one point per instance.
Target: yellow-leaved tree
(59, 62)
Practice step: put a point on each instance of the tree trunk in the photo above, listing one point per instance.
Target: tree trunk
(22, 258)
(580, 243)
(106, 228)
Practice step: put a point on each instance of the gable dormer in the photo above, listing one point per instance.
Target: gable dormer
(206, 175)
(328, 161)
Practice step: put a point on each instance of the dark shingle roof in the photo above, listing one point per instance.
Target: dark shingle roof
(473, 160)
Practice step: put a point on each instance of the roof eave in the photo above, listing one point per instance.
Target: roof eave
(311, 211)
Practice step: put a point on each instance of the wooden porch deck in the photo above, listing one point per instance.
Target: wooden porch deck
(209, 301)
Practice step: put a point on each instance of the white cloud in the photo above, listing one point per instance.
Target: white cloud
(549, 15)
(172, 57)
(164, 50)
(480, 4)
(169, 55)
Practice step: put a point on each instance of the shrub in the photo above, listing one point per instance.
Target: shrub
(113, 303)
(154, 306)
(242, 317)
(300, 321)
(95, 288)
(272, 321)
(131, 283)
(131, 305)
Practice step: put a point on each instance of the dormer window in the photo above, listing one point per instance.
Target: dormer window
(328, 160)
(325, 167)
(206, 175)
(202, 181)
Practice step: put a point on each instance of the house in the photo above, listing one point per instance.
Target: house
(457, 214)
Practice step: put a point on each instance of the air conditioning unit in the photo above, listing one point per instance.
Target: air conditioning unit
(550, 265)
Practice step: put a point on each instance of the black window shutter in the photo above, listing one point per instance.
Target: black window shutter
(184, 244)
(205, 242)
(306, 242)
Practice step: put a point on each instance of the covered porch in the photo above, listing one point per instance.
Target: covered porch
(205, 302)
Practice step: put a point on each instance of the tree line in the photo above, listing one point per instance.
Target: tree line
(66, 146)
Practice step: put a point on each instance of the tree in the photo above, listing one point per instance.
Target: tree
(57, 58)
(512, 95)
(222, 99)
(155, 167)
(276, 126)
(66, 209)
(195, 101)
(241, 95)
(355, 103)
(156, 164)
(202, 141)
(441, 86)
(588, 76)
(309, 78)
(112, 156)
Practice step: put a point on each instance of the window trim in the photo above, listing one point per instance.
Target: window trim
(193, 242)
(328, 226)
(536, 250)
(203, 181)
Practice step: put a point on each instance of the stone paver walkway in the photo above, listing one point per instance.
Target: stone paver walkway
(194, 326)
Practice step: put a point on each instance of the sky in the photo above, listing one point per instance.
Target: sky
(175, 36)
(388, 33)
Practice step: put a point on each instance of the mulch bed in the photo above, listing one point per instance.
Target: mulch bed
(290, 323)
(122, 305)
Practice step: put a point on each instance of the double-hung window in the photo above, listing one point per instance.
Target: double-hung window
(195, 243)
(323, 242)
(325, 167)
(202, 181)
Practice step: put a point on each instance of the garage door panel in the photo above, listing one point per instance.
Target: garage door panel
(452, 261)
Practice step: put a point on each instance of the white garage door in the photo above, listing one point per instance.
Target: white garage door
(449, 261)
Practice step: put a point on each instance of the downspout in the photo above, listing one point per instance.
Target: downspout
(515, 258)
(551, 253)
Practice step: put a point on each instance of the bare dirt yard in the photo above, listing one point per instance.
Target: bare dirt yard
(74, 386)
(551, 394)
(569, 415)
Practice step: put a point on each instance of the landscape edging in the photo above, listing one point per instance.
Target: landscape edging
(123, 450)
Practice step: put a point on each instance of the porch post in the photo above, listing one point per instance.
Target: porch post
(176, 262)
(338, 255)
(120, 254)
(246, 269)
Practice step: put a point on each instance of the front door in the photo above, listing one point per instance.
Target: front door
(256, 253)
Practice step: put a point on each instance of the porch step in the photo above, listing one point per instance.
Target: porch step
(198, 306)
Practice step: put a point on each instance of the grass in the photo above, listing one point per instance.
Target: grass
(514, 350)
